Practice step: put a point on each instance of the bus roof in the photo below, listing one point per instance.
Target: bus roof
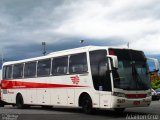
(61, 53)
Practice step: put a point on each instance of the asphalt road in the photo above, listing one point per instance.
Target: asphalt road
(56, 113)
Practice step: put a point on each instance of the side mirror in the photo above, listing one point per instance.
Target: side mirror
(114, 61)
(156, 64)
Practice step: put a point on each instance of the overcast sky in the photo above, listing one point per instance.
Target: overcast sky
(24, 24)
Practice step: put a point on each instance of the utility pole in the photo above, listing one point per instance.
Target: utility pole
(128, 44)
(44, 48)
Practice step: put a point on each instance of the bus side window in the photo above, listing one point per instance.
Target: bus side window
(60, 65)
(17, 71)
(30, 69)
(43, 68)
(78, 63)
(7, 72)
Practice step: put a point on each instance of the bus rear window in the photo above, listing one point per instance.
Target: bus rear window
(7, 72)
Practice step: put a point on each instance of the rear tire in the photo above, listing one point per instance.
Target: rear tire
(1, 105)
(19, 102)
(13, 105)
(87, 104)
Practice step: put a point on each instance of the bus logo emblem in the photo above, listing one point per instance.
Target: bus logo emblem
(75, 79)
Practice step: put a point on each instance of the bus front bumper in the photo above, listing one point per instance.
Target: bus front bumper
(120, 102)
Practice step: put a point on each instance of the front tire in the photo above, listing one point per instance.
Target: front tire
(119, 110)
(87, 105)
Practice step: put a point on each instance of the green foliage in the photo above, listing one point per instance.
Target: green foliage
(155, 84)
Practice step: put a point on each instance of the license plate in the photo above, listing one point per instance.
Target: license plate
(136, 102)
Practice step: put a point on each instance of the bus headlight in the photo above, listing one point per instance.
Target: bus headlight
(119, 94)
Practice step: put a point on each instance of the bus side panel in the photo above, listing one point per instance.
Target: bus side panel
(54, 96)
(105, 99)
(71, 97)
(58, 93)
(31, 96)
(43, 96)
(43, 92)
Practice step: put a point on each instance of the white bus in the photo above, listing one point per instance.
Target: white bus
(88, 77)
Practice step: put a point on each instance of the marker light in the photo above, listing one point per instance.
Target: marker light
(111, 52)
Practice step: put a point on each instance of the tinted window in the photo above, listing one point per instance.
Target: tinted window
(99, 70)
(18, 71)
(7, 72)
(127, 54)
(43, 68)
(132, 69)
(30, 69)
(78, 63)
(60, 65)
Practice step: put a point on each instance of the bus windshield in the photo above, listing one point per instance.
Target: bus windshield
(132, 72)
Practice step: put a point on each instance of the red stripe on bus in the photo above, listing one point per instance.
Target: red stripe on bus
(9, 84)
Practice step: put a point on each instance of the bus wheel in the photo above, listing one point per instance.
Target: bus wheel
(13, 105)
(47, 107)
(87, 104)
(119, 110)
(1, 105)
(19, 101)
